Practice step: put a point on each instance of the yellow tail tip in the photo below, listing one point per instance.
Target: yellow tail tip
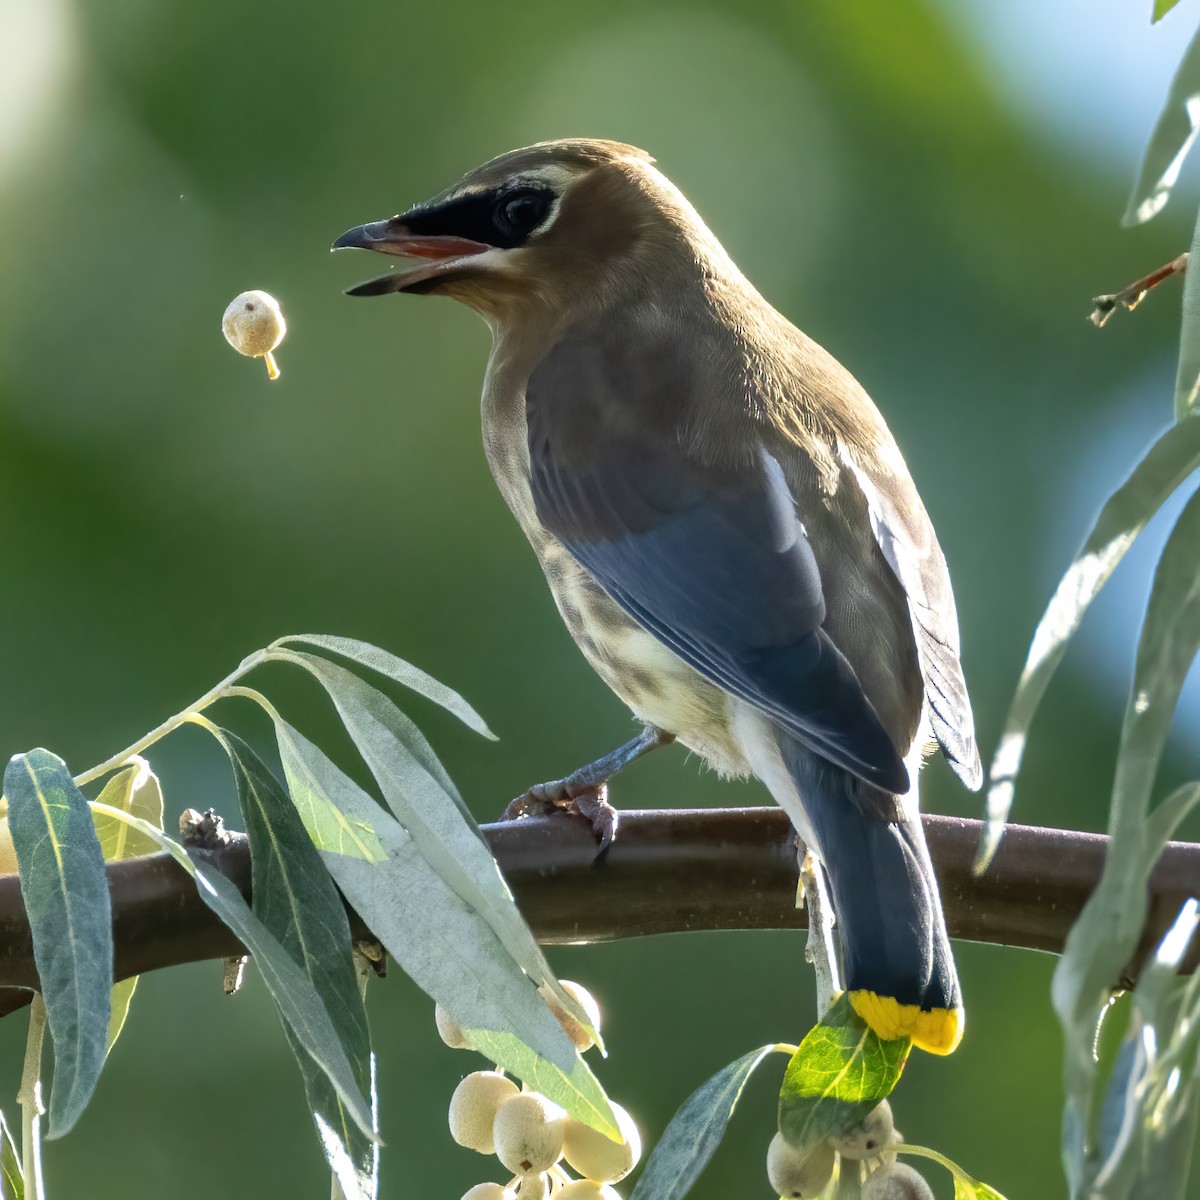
(936, 1030)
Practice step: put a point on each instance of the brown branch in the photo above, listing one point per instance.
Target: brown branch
(1130, 297)
(668, 872)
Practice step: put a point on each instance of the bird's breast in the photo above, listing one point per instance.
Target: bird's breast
(657, 685)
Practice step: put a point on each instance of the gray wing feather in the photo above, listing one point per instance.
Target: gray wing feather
(906, 538)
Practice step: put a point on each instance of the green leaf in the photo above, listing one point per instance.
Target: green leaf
(12, 1180)
(294, 995)
(1167, 1166)
(1120, 1111)
(1164, 467)
(120, 998)
(133, 789)
(328, 827)
(578, 1091)
(1172, 138)
(695, 1132)
(1187, 375)
(965, 1188)
(1135, 1112)
(442, 942)
(440, 825)
(1104, 937)
(345, 687)
(1161, 8)
(294, 897)
(838, 1074)
(398, 670)
(70, 917)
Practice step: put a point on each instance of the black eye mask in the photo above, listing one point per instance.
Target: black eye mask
(503, 217)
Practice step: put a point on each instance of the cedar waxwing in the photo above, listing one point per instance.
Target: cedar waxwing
(726, 524)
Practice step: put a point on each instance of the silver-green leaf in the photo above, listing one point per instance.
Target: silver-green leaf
(295, 898)
(442, 942)
(70, 917)
(395, 669)
(134, 789)
(440, 825)
(1104, 937)
(1164, 467)
(695, 1132)
(1172, 138)
(294, 995)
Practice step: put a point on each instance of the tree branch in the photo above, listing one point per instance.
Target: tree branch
(669, 871)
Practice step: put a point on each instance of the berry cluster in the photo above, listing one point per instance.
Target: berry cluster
(865, 1153)
(530, 1135)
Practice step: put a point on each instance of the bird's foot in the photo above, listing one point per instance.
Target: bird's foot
(586, 791)
(587, 798)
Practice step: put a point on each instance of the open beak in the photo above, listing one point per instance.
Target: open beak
(443, 255)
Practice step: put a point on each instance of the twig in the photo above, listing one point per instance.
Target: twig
(820, 949)
(670, 871)
(29, 1099)
(1130, 297)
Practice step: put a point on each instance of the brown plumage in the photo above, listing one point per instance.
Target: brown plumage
(729, 530)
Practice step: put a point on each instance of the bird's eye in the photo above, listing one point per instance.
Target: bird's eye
(520, 213)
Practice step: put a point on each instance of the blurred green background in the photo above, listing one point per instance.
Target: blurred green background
(928, 189)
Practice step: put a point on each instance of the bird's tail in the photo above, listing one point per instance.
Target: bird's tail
(896, 956)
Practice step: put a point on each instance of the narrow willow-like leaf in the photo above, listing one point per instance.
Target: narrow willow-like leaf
(445, 833)
(294, 897)
(396, 669)
(1171, 139)
(1161, 8)
(70, 917)
(1133, 1113)
(290, 988)
(12, 1181)
(695, 1132)
(838, 1074)
(1152, 1100)
(577, 1090)
(965, 1188)
(1165, 466)
(134, 789)
(1187, 375)
(1104, 937)
(1167, 1168)
(337, 681)
(439, 940)
(1120, 1111)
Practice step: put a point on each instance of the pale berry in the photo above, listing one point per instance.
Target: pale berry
(253, 325)
(799, 1174)
(597, 1157)
(473, 1108)
(897, 1182)
(528, 1133)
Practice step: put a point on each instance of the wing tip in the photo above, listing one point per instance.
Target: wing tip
(968, 767)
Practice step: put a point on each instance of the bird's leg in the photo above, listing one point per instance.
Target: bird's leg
(586, 791)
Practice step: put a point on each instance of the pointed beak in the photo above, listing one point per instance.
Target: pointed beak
(443, 254)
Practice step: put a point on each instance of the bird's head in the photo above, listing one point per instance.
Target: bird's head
(549, 227)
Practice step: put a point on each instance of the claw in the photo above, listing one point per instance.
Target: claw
(586, 791)
(604, 818)
(589, 801)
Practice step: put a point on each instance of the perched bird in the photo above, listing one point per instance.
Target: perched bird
(726, 524)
